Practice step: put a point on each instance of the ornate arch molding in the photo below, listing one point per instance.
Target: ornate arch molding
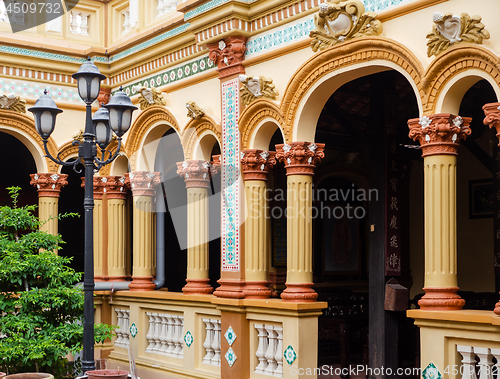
(254, 114)
(144, 122)
(194, 129)
(452, 62)
(343, 55)
(26, 124)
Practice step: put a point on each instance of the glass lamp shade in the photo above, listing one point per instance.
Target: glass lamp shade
(44, 112)
(103, 132)
(88, 79)
(120, 112)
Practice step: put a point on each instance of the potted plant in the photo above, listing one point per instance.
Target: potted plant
(41, 306)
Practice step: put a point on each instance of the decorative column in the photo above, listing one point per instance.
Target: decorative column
(492, 119)
(255, 165)
(439, 136)
(116, 194)
(142, 184)
(49, 189)
(197, 174)
(300, 160)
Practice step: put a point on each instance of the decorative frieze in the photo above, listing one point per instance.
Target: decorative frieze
(149, 96)
(256, 87)
(228, 55)
(48, 185)
(13, 103)
(255, 164)
(194, 111)
(300, 158)
(449, 30)
(338, 22)
(439, 134)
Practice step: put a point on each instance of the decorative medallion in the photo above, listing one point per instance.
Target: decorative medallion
(13, 103)
(230, 357)
(194, 111)
(133, 330)
(338, 22)
(255, 87)
(290, 354)
(230, 336)
(449, 29)
(188, 338)
(431, 372)
(149, 96)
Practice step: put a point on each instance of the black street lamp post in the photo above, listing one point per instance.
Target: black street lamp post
(115, 117)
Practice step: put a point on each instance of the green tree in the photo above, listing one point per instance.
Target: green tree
(41, 309)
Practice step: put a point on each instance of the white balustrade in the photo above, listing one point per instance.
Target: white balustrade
(79, 23)
(485, 362)
(269, 350)
(165, 334)
(151, 331)
(209, 327)
(216, 342)
(477, 362)
(126, 22)
(123, 323)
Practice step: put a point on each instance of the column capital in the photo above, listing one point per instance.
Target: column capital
(228, 54)
(197, 173)
(439, 134)
(115, 187)
(48, 184)
(142, 183)
(255, 164)
(98, 186)
(492, 119)
(300, 158)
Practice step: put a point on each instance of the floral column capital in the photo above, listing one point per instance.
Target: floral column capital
(142, 183)
(48, 185)
(197, 173)
(300, 158)
(115, 187)
(439, 134)
(492, 119)
(228, 55)
(255, 164)
(98, 187)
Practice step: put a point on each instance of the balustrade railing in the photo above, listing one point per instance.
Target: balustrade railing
(212, 342)
(270, 350)
(123, 323)
(165, 335)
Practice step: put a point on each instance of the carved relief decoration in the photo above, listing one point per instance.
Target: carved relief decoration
(142, 183)
(300, 158)
(78, 136)
(255, 164)
(194, 111)
(197, 173)
(439, 134)
(114, 186)
(255, 87)
(492, 119)
(340, 21)
(449, 29)
(12, 102)
(228, 55)
(48, 184)
(149, 96)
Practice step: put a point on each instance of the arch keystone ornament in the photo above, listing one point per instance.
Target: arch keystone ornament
(149, 97)
(337, 22)
(194, 111)
(12, 102)
(439, 136)
(255, 87)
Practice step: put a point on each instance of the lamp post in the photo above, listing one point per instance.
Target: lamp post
(115, 117)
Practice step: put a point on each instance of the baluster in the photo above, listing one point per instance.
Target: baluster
(170, 335)
(150, 334)
(177, 336)
(161, 8)
(126, 328)
(126, 22)
(84, 26)
(271, 350)
(118, 330)
(279, 352)
(181, 336)
(262, 348)
(468, 369)
(216, 342)
(163, 334)
(485, 362)
(208, 341)
(157, 347)
(73, 26)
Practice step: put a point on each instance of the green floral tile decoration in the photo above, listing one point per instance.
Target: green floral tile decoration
(230, 357)
(290, 354)
(133, 330)
(188, 338)
(230, 336)
(431, 372)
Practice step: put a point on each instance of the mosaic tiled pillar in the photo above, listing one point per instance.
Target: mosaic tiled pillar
(49, 189)
(255, 165)
(142, 184)
(228, 54)
(116, 195)
(197, 175)
(439, 136)
(300, 159)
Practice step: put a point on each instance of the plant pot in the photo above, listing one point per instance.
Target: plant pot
(107, 374)
(29, 375)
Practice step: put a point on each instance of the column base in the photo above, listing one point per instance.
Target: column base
(142, 283)
(232, 289)
(299, 292)
(117, 278)
(256, 290)
(441, 299)
(197, 286)
(100, 278)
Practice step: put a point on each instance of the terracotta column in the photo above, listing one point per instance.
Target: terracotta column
(255, 165)
(300, 160)
(116, 195)
(492, 119)
(99, 258)
(439, 136)
(142, 184)
(196, 174)
(49, 188)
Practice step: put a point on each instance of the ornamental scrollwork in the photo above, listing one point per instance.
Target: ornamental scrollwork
(449, 29)
(255, 87)
(340, 21)
(149, 96)
(194, 111)
(13, 103)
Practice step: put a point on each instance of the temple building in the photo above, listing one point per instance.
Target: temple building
(306, 185)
